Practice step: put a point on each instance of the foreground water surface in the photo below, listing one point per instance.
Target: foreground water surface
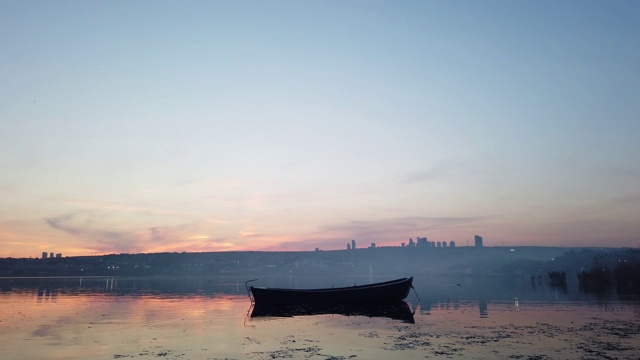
(209, 318)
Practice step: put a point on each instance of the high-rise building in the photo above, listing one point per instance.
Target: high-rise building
(58, 255)
(444, 244)
(51, 255)
(422, 242)
(44, 254)
(348, 246)
(373, 245)
(478, 240)
(438, 244)
(353, 244)
(452, 243)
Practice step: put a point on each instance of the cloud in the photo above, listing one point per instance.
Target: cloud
(91, 205)
(400, 226)
(441, 171)
(89, 228)
(80, 225)
(192, 237)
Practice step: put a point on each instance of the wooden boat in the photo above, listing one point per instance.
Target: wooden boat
(398, 310)
(378, 293)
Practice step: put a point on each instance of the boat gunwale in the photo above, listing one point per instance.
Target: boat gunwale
(346, 288)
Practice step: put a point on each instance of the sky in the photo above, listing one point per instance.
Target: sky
(153, 126)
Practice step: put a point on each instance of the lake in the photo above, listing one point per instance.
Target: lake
(209, 318)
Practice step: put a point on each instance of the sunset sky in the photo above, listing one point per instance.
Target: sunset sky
(149, 126)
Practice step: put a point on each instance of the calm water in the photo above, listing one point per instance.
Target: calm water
(208, 318)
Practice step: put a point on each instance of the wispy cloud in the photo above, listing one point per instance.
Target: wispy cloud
(400, 226)
(182, 237)
(80, 226)
(123, 206)
(440, 171)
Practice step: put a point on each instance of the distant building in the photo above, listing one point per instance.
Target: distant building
(411, 243)
(353, 244)
(478, 240)
(438, 244)
(373, 245)
(403, 245)
(348, 246)
(452, 243)
(444, 244)
(423, 242)
(58, 255)
(44, 254)
(51, 255)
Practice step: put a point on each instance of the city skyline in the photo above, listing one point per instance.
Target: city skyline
(129, 127)
(421, 242)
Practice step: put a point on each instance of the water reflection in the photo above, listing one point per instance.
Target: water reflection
(48, 288)
(425, 308)
(436, 293)
(484, 309)
(396, 311)
(207, 317)
(47, 295)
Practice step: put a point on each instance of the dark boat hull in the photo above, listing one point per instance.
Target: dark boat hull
(378, 293)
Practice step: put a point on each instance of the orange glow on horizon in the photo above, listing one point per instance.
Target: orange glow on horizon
(30, 245)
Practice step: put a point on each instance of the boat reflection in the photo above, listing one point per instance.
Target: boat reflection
(396, 311)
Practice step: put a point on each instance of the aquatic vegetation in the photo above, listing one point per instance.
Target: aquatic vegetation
(557, 279)
(619, 268)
